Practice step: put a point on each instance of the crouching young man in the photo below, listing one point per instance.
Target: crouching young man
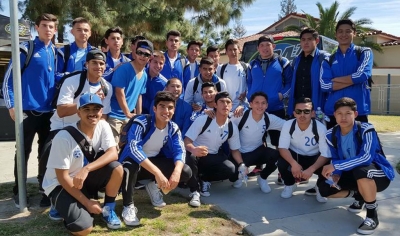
(359, 168)
(72, 177)
(154, 150)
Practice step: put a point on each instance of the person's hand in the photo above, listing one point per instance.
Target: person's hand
(162, 181)
(280, 96)
(196, 107)
(306, 174)
(210, 113)
(335, 178)
(130, 115)
(238, 111)
(80, 178)
(12, 113)
(100, 93)
(242, 96)
(296, 170)
(327, 170)
(93, 207)
(174, 179)
(200, 151)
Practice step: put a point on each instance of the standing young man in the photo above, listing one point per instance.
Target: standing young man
(346, 73)
(134, 40)
(191, 70)
(114, 39)
(213, 53)
(174, 61)
(129, 83)
(37, 83)
(72, 178)
(359, 166)
(155, 151)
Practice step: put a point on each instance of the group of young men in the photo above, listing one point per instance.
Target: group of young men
(172, 120)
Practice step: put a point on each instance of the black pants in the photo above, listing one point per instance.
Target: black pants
(44, 156)
(261, 155)
(35, 122)
(134, 172)
(305, 162)
(332, 121)
(274, 134)
(212, 167)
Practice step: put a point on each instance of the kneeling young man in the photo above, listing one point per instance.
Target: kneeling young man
(302, 147)
(359, 168)
(72, 178)
(155, 151)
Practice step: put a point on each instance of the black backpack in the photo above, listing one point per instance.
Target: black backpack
(196, 85)
(314, 129)
(67, 54)
(208, 122)
(359, 50)
(244, 119)
(82, 81)
(244, 65)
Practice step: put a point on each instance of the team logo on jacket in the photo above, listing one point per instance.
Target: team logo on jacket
(77, 153)
(36, 55)
(165, 140)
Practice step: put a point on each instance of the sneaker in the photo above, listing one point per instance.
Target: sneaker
(139, 185)
(279, 181)
(45, 201)
(16, 201)
(54, 215)
(129, 215)
(356, 207)
(101, 194)
(256, 171)
(238, 183)
(205, 189)
(263, 185)
(195, 201)
(155, 194)
(288, 191)
(368, 226)
(110, 217)
(311, 191)
(318, 196)
(303, 181)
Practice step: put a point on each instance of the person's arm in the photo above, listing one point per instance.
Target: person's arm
(364, 69)
(321, 161)
(237, 156)
(249, 81)
(120, 95)
(189, 92)
(284, 144)
(60, 64)
(199, 151)
(287, 78)
(138, 109)
(326, 77)
(161, 180)
(64, 110)
(179, 155)
(275, 123)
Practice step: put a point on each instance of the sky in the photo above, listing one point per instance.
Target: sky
(383, 13)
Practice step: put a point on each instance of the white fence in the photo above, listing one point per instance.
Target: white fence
(385, 99)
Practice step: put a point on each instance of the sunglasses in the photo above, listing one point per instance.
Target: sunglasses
(305, 111)
(144, 54)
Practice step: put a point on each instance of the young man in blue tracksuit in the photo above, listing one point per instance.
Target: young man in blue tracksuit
(191, 69)
(153, 151)
(81, 30)
(359, 166)
(272, 75)
(347, 74)
(306, 70)
(38, 85)
(174, 61)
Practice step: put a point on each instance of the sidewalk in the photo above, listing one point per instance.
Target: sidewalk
(269, 214)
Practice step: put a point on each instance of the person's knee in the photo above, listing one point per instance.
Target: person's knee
(186, 173)
(83, 232)
(119, 171)
(325, 190)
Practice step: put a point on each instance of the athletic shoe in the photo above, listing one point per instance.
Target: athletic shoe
(155, 194)
(311, 191)
(139, 185)
(205, 189)
(279, 181)
(129, 215)
(303, 181)
(288, 191)
(109, 216)
(238, 183)
(195, 201)
(356, 207)
(263, 185)
(54, 215)
(256, 171)
(100, 194)
(368, 226)
(318, 196)
(45, 201)
(16, 201)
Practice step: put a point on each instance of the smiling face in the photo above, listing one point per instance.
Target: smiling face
(142, 56)
(175, 87)
(95, 68)
(259, 105)
(156, 65)
(90, 114)
(345, 34)
(209, 93)
(164, 111)
(266, 49)
(207, 71)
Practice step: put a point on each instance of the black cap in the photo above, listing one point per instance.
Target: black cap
(223, 94)
(266, 38)
(145, 44)
(95, 54)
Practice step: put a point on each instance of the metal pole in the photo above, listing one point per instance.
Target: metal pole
(19, 129)
(388, 96)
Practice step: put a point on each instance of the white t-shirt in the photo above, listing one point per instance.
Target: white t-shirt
(253, 131)
(197, 97)
(192, 69)
(156, 141)
(116, 62)
(172, 62)
(303, 142)
(235, 79)
(67, 155)
(214, 136)
(66, 96)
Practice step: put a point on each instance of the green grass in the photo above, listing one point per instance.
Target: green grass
(385, 123)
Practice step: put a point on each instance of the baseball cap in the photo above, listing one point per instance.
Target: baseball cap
(265, 38)
(95, 54)
(145, 44)
(223, 94)
(89, 98)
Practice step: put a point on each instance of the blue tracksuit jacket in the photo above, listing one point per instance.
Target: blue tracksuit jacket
(108, 73)
(175, 72)
(153, 85)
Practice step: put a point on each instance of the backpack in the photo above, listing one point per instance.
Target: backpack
(314, 129)
(67, 54)
(359, 50)
(29, 54)
(196, 85)
(208, 122)
(358, 136)
(82, 81)
(280, 61)
(244, 119)
(123, 136)
(244, 65)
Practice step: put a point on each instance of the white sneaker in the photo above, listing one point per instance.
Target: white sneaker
(238, 183)
(320, 198)
(195, 201)
(288, 191)
(263, 185)
(205, 189)
(129, 215)
(155, 195)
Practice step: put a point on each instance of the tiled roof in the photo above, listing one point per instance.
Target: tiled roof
(391, 43)
(296, 15)
(378, 32)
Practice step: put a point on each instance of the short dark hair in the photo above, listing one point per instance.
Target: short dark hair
(223, 94)
(304, 100)
(174, 78)
(173, 33)
(137, 38)
(265, 38)
(230, 42)
(206, 61)
(46, 17)
(309, 31)
(164, 96)
(116, 29)
(346, 22)
(345, 102)
(103, 43)
(259, 93)
(194, 42)
(208, 84)
(212, 48)
(80, 20)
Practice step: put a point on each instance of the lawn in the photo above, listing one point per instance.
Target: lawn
(385, 123)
